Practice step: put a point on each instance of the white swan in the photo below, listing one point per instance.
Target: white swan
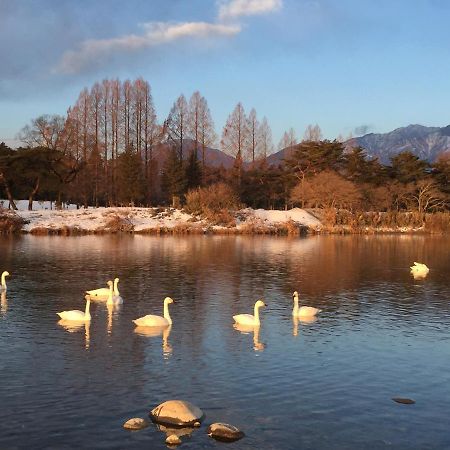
(156, 321)
(303, 311)
(113, 299)
(103, 293)
(3, 285)
(76, 315)
(419, 270)
(248, 319)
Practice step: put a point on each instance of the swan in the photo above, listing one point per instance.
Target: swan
(3, 285)
(156, 321)
(303, 311)
(76, 315)
(113, 299)
(248, 319)
(419, 270)
(103, 293)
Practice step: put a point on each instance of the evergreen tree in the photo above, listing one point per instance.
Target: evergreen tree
(173, 178)
(193, 171)
(130, 177)
(408, 168)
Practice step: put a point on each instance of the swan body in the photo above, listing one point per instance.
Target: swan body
(113, 299)
(3, 285)
(103, 293)
(249, 319)
(151, 320)
(303, 311)
(419, 270)
(76, 315)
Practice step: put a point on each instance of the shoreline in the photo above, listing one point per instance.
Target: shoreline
(170, 221)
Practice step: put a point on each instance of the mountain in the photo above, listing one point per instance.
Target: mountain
(213, 157)
(425, 142)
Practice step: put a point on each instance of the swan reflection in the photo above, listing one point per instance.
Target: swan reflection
(303, 320)
(4, 303)
(113, 310)
(155, 332)
(247, 329)
(73, 327)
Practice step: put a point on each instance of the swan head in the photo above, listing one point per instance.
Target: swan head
(260, 304)
(109, 283)
(116, 280)
(168, 300)
(5, 274)
(295, 296)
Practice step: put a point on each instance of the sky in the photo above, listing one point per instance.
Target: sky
(351, 66)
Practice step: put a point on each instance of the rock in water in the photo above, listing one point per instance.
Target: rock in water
(177, 412)
(173, 439)
(405, 401)
(224, 432)
(135, 424)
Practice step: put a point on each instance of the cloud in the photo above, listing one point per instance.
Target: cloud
(155, 33)
(238, 8)
(362, 130)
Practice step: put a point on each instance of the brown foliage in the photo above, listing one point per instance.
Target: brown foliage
(10, 222)
(327, 189)
(215, 203)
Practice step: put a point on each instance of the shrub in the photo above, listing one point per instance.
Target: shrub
(10, 222)
(215, 203)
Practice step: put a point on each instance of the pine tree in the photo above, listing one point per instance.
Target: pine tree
(130, 177)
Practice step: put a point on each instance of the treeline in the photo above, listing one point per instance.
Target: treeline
(110, 150)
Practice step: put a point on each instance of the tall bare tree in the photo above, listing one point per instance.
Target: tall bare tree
(265, 135)
(312, 133)
(253, 135)
(176, 126)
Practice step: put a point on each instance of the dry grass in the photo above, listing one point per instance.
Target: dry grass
(118, 224)
(10, 222)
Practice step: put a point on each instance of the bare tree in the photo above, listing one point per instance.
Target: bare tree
(235, 137)
(176, 125)
(254, 138)
(207, 134)
(288, 140)
(312, 133)
(265, 134)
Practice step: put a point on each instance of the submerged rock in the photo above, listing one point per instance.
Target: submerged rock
(405, 401)
(177, 412)
(136, 423)
(224, 432)
(173, 439)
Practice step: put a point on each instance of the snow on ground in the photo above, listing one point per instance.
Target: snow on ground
(273, 217)
(146, 219)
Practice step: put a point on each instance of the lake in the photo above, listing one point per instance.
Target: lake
(326, 384)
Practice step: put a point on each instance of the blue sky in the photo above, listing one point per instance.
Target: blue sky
(349, 65)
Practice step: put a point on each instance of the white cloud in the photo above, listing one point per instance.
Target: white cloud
(155, 33)
(238, 8)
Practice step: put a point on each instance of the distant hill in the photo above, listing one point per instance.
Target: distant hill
(425, 142)
(213, 157)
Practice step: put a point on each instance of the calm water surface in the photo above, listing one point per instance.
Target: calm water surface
(321, 385)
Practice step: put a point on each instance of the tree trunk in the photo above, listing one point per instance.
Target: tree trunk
(8, 192)
(33, 193)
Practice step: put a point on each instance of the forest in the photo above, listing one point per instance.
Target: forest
(110, 150)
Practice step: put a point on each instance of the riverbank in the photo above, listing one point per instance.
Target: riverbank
(153, 221)
(295, 221)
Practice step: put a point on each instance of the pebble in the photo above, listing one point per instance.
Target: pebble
(173, 439)
(177, 412)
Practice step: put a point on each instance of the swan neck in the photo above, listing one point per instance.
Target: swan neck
(3, 281)
(116, 287)
(86, 311)
(295, 310)
(166, 313)
(256, 314)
